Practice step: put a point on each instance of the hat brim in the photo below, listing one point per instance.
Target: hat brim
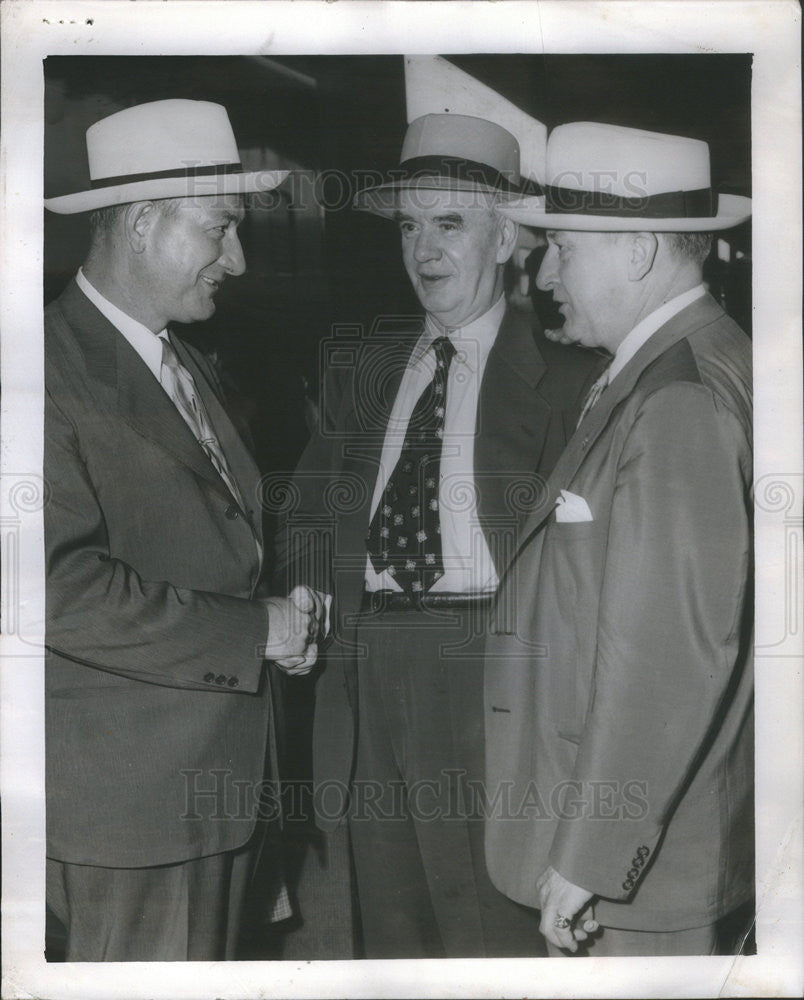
(530, 211)
(247, 182)
(382, 200)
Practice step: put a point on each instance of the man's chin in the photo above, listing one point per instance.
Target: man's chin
(434, 299)
(201, 312)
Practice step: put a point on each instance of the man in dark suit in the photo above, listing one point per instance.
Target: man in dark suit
(619, 695)
(158, 710)
(404, 503)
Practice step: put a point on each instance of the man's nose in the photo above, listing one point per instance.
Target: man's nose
(426, 246)
(232, 258)
(547, 275)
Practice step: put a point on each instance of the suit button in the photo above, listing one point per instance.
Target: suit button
(220, 679)
(209, 678)
(633, 873)
(233, 682)
(628, 885)
(232, 512)
(643, 851)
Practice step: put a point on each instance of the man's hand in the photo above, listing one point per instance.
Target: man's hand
(291, 632)
(560, 901)
(316, 603)
(313, 604)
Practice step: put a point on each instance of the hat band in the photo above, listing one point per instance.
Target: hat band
(696, 204)
(452, 168)
(157, 175)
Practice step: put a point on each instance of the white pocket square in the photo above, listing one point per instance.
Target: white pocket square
(572, 508)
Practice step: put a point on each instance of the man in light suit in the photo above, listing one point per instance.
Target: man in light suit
(619, 687)
(409, 545)
(158, 709)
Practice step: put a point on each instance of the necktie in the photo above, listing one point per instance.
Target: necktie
(594, 394)
(179, 385)
(405, 533)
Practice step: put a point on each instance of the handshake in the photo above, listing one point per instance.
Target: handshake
(296, 624)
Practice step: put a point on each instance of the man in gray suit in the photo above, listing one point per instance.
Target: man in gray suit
(158, 710)
(619, 687)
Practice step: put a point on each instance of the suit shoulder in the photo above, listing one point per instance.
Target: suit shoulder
(715, 355)
(61, 345)
(573, 356)
(716, 359)
(570, 365)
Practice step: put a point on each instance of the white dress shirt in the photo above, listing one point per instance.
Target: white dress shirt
(468, 566)
(645, 329)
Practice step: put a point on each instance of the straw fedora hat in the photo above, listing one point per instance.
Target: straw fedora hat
(449, 152)
(615, 179)
(163, 149)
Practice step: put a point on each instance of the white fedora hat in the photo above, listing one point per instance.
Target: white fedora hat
(615, 179)
(164, 149)
(449, 152)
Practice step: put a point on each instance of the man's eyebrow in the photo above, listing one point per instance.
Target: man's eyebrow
(453, 217)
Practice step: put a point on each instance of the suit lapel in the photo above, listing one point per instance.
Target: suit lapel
(512, 422)
(377, 380)
(122, 376)
(508, 393)
(515, 347)
(695, 316)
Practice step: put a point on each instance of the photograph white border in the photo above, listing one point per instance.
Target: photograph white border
(34, 29)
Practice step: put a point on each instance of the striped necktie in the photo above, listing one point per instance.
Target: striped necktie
(179, 385)
(594, 394)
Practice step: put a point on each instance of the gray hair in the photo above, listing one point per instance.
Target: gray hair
(103, 220)
(694, 247)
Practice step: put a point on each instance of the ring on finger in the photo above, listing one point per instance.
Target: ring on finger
(561, 922)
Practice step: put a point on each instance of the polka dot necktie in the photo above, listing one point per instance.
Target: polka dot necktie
(405, 533)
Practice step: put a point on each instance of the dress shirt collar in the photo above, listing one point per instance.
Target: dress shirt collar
(648, 326)
(146, 343)
(472, 343)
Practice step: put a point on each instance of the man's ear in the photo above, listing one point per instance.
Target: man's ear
(642, 255)
(509, 233)
(138, 220)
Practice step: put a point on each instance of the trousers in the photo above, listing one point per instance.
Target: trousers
(416, 816)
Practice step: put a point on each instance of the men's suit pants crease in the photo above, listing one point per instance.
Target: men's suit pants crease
(416, 834)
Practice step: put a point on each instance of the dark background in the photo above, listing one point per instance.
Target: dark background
(310, 267)
(314, 265)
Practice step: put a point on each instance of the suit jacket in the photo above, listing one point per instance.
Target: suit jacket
(618, 679)
(529, 399)
(155, 692)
